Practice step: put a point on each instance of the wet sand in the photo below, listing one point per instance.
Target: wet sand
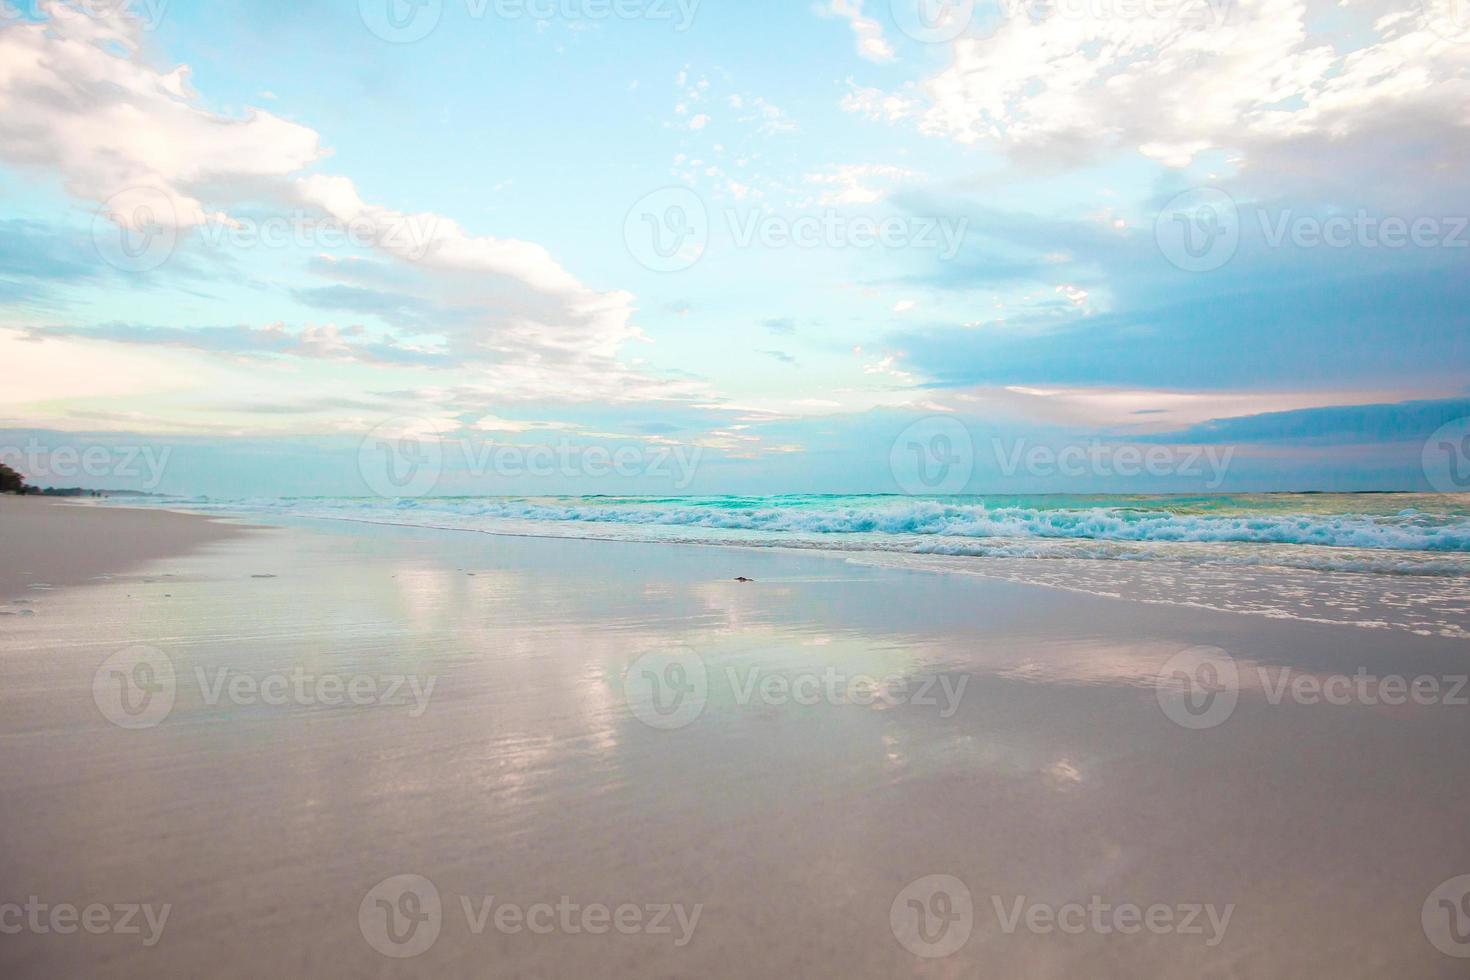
(519, 756)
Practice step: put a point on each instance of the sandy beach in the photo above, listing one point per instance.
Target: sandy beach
(50, 543)
(340, 750)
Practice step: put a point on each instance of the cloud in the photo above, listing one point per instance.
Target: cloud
(781, 356)
(871, 44)
(783, 325)
(1333, 425)
(325, 341)
(852, 183)
(1083, 80)
(78, 97)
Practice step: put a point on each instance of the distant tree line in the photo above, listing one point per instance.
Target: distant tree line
(13, 482)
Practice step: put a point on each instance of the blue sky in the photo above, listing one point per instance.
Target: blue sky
(778, 236)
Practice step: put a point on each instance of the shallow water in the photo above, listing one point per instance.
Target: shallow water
(1380, 561)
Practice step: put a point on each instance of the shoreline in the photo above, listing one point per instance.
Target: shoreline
(1361, 598)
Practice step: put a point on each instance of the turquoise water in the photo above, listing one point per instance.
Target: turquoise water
(1390, 533)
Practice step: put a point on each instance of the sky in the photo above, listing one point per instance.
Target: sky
(735, 246)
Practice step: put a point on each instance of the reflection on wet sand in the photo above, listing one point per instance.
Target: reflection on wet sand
(811, 786)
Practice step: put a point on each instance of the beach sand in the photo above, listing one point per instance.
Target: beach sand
(51, 542)
(539, 768)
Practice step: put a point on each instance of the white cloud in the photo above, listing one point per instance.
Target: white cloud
(1243, 74)
(852, 183)
(871, 44)
(875, 104)
(78, 98)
